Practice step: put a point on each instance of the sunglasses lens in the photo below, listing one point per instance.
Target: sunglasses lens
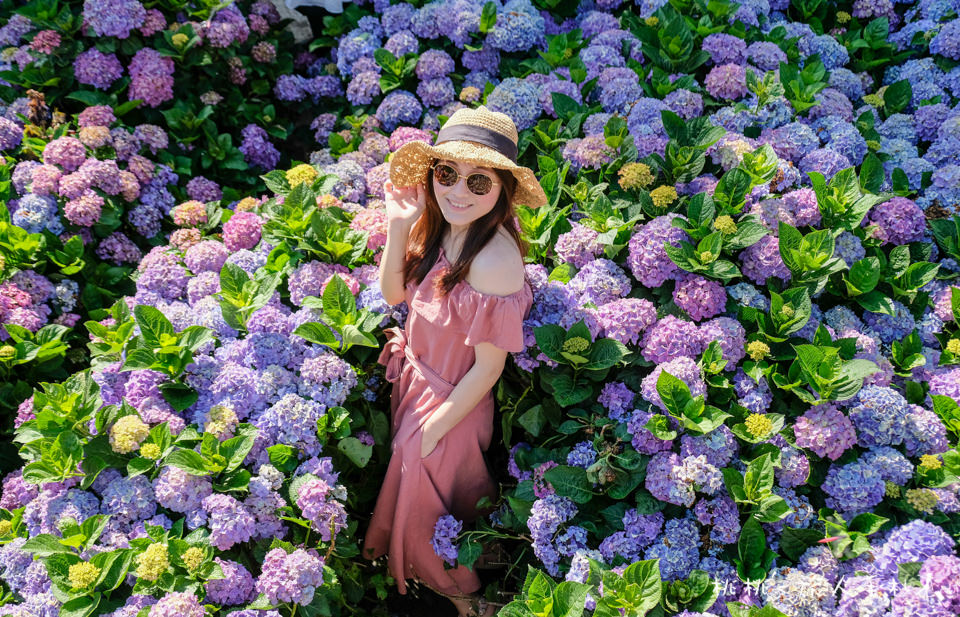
(479, 184)
(445, 175)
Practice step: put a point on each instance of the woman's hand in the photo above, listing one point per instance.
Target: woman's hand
(404, 205)
(429, 438)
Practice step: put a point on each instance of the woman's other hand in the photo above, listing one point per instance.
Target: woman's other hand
(404, 205)
(429, 438)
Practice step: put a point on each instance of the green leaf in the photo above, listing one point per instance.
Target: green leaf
(877, 302)
(357, 452)
(179, 395)
(235, 450)
(189, 461)
(569, 598)
(283, 457)
(566, 390)
(80, 607)
(863, 276)
(570, 482)
(751, 548)
(674, 393)
(646, 576)
(909, 573)
(897, 96)
(731, 191)
(871, 174)
(319, 333)
(468, 553)
(44, 545)
(605, 353)
(232, 280)
(337, 297)
(154, 326)
(488, 17)
(758, 479)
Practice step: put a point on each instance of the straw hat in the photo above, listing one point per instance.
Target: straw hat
(479, 137)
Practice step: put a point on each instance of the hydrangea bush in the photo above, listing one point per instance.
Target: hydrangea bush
(739, 393)
(205, 457)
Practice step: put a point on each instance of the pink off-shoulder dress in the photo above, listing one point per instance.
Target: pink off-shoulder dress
(425, 361)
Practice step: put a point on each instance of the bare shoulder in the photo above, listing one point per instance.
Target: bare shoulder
(498, 267)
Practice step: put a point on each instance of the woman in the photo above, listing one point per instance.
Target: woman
(454, 255)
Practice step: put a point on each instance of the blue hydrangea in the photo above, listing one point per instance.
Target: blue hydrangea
(518, 99)
(892, 465)
(292, 421)
(853, 488)
(352, 47)
(399, 107)
(678, 549)
(582, 455)
(519, 27)
(880, 416)
(891, 327)
(832, 53)
(38, 212)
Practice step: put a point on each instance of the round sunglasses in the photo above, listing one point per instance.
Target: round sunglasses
(477, 183)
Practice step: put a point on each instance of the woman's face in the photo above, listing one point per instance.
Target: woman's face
(459, 205)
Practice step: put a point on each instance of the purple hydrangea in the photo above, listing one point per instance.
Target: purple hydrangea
(445, 532)
(230, 522)
(236, 586)
(546, 516)
(293, 421)
(518, 99)
(826, 431)
(151, 76)
(643, 440)
(114, 18)
(671, 338)
(291, 578)
(916, 541)
(762, 261)
(399, 107)
(177, 604)
(600, 281)
(898, 221)
(625, 319)
(616, 398)
(257, 149)
(675, 480)
(578, 246)
(647, 259)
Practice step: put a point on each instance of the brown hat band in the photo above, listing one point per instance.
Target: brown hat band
(481, 135)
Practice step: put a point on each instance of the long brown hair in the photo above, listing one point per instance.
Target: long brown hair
(423, 248)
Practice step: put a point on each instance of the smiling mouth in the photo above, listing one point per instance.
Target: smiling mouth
(457, 206)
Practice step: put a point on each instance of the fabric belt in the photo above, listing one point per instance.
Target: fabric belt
(397, 350)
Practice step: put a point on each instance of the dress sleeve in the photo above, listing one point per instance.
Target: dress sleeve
(495, 319)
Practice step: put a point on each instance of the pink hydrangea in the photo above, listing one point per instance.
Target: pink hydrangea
(374, 222)
(406, 134)
(67, 152)
(242, 231)
(84, 210)
(699, 297)
(826, 431)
